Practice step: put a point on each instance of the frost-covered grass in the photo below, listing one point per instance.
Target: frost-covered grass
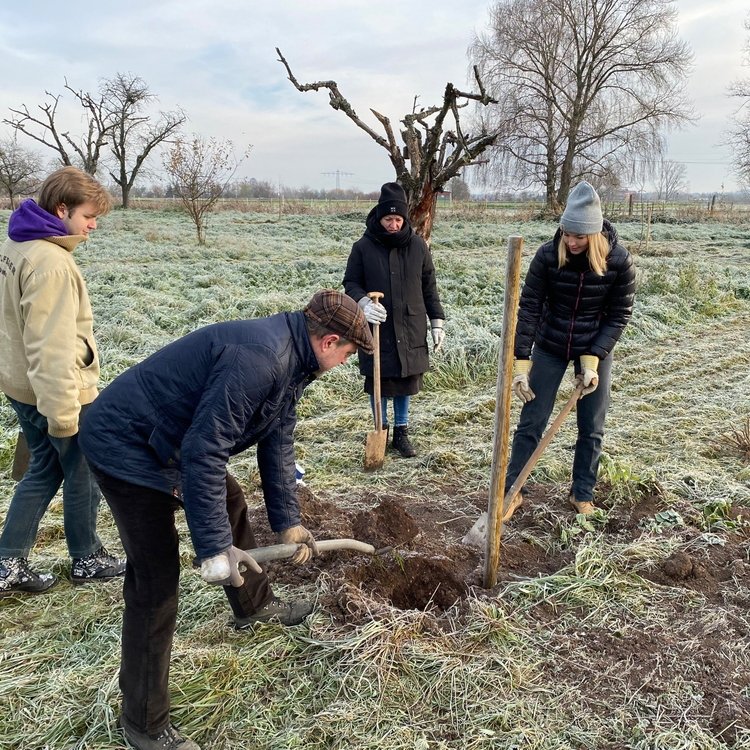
(682, 378)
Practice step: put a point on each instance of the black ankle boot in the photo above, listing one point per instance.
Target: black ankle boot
(401, 442)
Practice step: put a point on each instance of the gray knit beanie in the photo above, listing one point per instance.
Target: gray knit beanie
(583, 213)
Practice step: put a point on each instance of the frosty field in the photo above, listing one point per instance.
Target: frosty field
(629, 632)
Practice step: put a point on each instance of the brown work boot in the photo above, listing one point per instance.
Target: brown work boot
(285, 613)
(583, 507)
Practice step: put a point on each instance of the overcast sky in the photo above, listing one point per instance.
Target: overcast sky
(215, 59)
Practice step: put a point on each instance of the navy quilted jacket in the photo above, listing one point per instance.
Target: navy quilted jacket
(172, 421)
(571, 311)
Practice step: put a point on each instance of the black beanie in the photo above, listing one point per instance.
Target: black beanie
(392, 201)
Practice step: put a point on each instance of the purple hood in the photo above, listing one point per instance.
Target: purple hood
(29, 222)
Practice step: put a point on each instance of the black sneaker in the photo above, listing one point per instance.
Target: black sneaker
(16, 575)
(167, 739)
(292, 613)
(98, 566)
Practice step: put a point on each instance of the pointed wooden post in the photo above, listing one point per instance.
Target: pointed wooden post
(502, 412)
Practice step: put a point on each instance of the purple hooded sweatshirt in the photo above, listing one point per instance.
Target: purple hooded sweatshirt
(29, 222)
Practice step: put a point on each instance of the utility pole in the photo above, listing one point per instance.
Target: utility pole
(338, 173)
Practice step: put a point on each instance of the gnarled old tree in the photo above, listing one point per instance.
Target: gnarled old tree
(431, 154)
(585, 88)
(44, 127)
(134, 133)
(20, 170)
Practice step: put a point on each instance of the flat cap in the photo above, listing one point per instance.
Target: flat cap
(340, 314)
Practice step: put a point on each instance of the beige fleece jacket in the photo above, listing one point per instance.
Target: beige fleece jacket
(48, 356)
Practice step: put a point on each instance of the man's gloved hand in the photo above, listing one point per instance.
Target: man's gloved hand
(299, 535)
(374, 311)
(588, 375)
(438, 333)
(224, 569)
(520, 384)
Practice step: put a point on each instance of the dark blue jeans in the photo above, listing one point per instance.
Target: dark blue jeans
(546, 375)
(145, 518)
(54, 462)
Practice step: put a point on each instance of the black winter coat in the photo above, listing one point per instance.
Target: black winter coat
(571, 311)
(405, 274)
(172, 421)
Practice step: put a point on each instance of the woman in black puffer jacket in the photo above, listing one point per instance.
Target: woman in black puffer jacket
(576, 301)
(391, 258)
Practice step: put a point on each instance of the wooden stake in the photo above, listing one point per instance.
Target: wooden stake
(502, 412)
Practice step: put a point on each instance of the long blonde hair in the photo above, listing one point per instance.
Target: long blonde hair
(598, 250)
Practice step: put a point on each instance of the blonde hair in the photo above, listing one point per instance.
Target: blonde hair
(598, 250)
(73, 187)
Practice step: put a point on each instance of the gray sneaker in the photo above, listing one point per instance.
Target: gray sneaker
(292, 613)
(98, 566)
(167, 739)
(16, 575)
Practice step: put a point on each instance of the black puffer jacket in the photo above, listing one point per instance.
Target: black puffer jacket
(172, 421)
(401, 267)
(571, 311)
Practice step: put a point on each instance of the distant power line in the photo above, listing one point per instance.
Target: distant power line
(339, 174)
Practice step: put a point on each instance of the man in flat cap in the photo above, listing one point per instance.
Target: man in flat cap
(159, 438)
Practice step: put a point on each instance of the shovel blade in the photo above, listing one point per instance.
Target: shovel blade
(375, 449)
(21, 458)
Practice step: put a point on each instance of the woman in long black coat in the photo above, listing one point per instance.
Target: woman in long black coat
(391, 258)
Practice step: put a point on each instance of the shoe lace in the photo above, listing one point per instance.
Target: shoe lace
(170, 738)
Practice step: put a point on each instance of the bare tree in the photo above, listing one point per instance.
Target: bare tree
(434, 152)
(20, 170)
(135, 134)
(671, 179)
(738, 135)
(584, 86)
(459, 189)
(201, 170)
(83, 151)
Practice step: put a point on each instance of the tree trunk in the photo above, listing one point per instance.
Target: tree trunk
(422, 211)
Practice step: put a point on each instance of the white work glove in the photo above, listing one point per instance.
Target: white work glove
(224, 569)
(588, 376)
(520, 383)
(301, 536)
(374, 311)
(438, 333)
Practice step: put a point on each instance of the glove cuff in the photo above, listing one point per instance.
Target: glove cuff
(589, 362)
(521, 366)
(436, 323)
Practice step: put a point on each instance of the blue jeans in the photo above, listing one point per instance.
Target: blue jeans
(546, 375)
(54, 462)
(400, 409)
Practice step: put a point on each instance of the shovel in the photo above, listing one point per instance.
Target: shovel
(476, 536)
(376, 440)
(281, 551)
(20, 458)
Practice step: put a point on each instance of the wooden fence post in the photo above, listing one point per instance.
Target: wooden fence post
(502, 413)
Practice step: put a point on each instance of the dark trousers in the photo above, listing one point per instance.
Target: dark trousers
(145, 519)
(547, 372)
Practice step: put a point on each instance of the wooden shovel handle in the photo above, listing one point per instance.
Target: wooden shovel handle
(376, 297)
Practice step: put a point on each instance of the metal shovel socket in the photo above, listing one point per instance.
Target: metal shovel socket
(282, 551)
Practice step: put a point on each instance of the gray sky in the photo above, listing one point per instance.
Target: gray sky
(216, 60)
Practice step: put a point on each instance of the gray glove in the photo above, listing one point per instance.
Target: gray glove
(438, 333)
(299, 535)
(224, 569)
(374, 311)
